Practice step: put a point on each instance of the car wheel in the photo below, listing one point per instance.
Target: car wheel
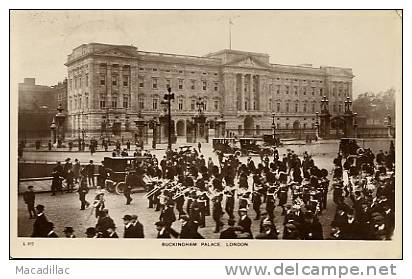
(120, 188)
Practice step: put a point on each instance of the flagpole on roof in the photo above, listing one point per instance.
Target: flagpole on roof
(230, 33)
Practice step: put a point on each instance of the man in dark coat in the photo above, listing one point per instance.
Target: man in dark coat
(29, 199)
(244, 222)
(162, 230)
(138, 228)
(217, 212)
(229, 233)
(269, 231)
(130, 181)
(168, 215)
(311, 229)
(50, 232)
(90, 173)
(40, 226)
(189, 230)
(104, 222)
(83, 190)
(128, 227)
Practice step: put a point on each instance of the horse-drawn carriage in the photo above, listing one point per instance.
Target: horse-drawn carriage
(116, 168)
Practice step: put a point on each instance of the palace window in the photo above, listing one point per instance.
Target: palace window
(193, 104)
(313, 107)
(287, 107)
(141, 82)
(278, 89)
(193, 84)
(114, 80)
(102, 103)
(304, 108)
(246, 105)
(155, 103)
(80, 82)
(125, 103)
(304, 90)
(141, 103)
(254, 105)
(114, 102)
(86, 102)
(216, 105)
(180, 104)
(216, 86)
(168, 84)
(287, 89)
(296, 107)
(278, 107)
(296, 90)
(180, 84)
(320, 92)
(87, 80)
(126, 81)
(204, 85)
(154, 83)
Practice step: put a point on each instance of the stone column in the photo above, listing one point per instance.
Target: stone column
(134, 87)
(242, 92)
(229, 92)
(251, 92)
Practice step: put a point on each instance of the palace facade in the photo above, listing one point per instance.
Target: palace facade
(109, 85)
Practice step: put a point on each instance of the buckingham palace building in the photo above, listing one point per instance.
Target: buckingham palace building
(113, 85)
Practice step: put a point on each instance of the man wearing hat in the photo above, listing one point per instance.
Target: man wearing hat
(162, 230)
(245, 222)
(40, 226)
(129, 231)
(291, 231)
(189, 230)
(29, 199)
(90, 173)
(104, 222)
(91, 232)
(111, 232)
(311, 229)
(138, 227)
(230, 232)
(68, 232)
(269, 231)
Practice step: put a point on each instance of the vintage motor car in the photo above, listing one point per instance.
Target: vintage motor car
(350, 146)
(250, 146)
(116, 168)
(225, 145)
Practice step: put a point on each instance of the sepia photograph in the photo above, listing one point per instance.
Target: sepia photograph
(206, 134)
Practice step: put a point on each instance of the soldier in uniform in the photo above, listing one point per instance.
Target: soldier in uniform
(217, 212)
(230, 202)
(256, 202)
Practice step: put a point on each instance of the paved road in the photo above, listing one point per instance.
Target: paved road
(64, 210)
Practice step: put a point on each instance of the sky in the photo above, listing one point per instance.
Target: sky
(369, 42)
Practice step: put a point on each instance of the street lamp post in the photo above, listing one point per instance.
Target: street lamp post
(355, 125)
(53, 131)
(317, 125)
(168, 98)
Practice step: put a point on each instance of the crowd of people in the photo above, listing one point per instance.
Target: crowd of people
(184, 187)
